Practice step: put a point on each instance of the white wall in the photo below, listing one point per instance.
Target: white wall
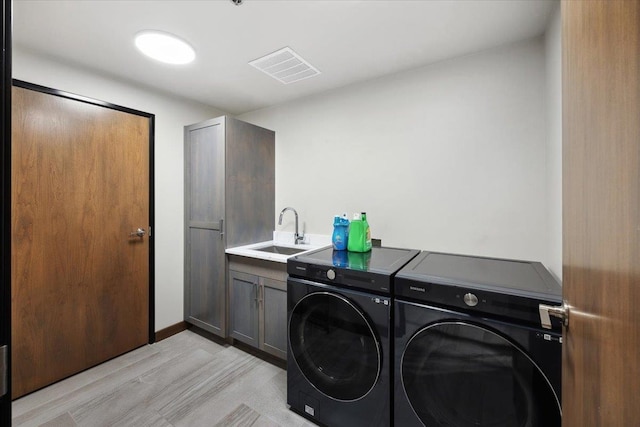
(449, 157)
(461, 156)
(553, 54)
(171, 115)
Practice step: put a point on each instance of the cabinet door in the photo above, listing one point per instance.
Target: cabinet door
(204, 299)
(243, 307)
(274, 317)
(204, 173)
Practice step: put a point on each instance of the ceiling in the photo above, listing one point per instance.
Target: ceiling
(348, 41)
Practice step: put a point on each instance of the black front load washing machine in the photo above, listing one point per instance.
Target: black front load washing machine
(469, 347)
(339, 324)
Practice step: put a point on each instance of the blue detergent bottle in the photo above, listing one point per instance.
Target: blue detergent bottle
(340, 235)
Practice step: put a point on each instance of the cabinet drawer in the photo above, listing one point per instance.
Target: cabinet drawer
(267, 269)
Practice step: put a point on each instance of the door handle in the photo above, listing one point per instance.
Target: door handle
(561, 312)
(140, 232)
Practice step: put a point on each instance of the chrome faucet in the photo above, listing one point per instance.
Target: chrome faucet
(297, 237)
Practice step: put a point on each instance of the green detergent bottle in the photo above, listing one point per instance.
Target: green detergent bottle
(358, 230)
(367, 232)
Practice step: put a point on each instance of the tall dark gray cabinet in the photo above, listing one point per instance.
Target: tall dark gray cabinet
(229, 201)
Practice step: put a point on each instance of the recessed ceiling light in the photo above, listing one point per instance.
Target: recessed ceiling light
(164, 47)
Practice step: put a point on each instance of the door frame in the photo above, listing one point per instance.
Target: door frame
(5, 214)
(151, 223)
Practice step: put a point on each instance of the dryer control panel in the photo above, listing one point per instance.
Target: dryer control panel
(496, 288)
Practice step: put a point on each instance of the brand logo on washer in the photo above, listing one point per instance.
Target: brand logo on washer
(413, 288)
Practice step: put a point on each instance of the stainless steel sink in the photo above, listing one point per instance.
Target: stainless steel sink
(283, 250)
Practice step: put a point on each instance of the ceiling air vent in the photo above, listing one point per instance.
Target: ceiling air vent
(285, 65)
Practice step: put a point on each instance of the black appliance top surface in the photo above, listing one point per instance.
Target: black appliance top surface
(523, 278)
(380, 260)
(372, 271)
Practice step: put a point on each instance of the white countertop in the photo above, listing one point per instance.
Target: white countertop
(282, 239)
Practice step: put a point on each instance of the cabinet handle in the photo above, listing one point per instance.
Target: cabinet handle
(221, 228)
(260, 291)
(255, 292)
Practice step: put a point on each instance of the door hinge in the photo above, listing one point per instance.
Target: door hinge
(4, 371)
(561, 312)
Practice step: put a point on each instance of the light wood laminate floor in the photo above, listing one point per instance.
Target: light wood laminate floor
(185, 380)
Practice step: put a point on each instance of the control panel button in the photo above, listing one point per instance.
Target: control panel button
(470, 299)
(331, 274)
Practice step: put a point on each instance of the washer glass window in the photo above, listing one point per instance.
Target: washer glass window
(334, 346)
(463, 375)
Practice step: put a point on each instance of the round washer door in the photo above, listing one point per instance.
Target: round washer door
(334, 346)
(463, 375)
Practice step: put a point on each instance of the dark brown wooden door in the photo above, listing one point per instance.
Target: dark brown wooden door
(80, 285)
(601, 212)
